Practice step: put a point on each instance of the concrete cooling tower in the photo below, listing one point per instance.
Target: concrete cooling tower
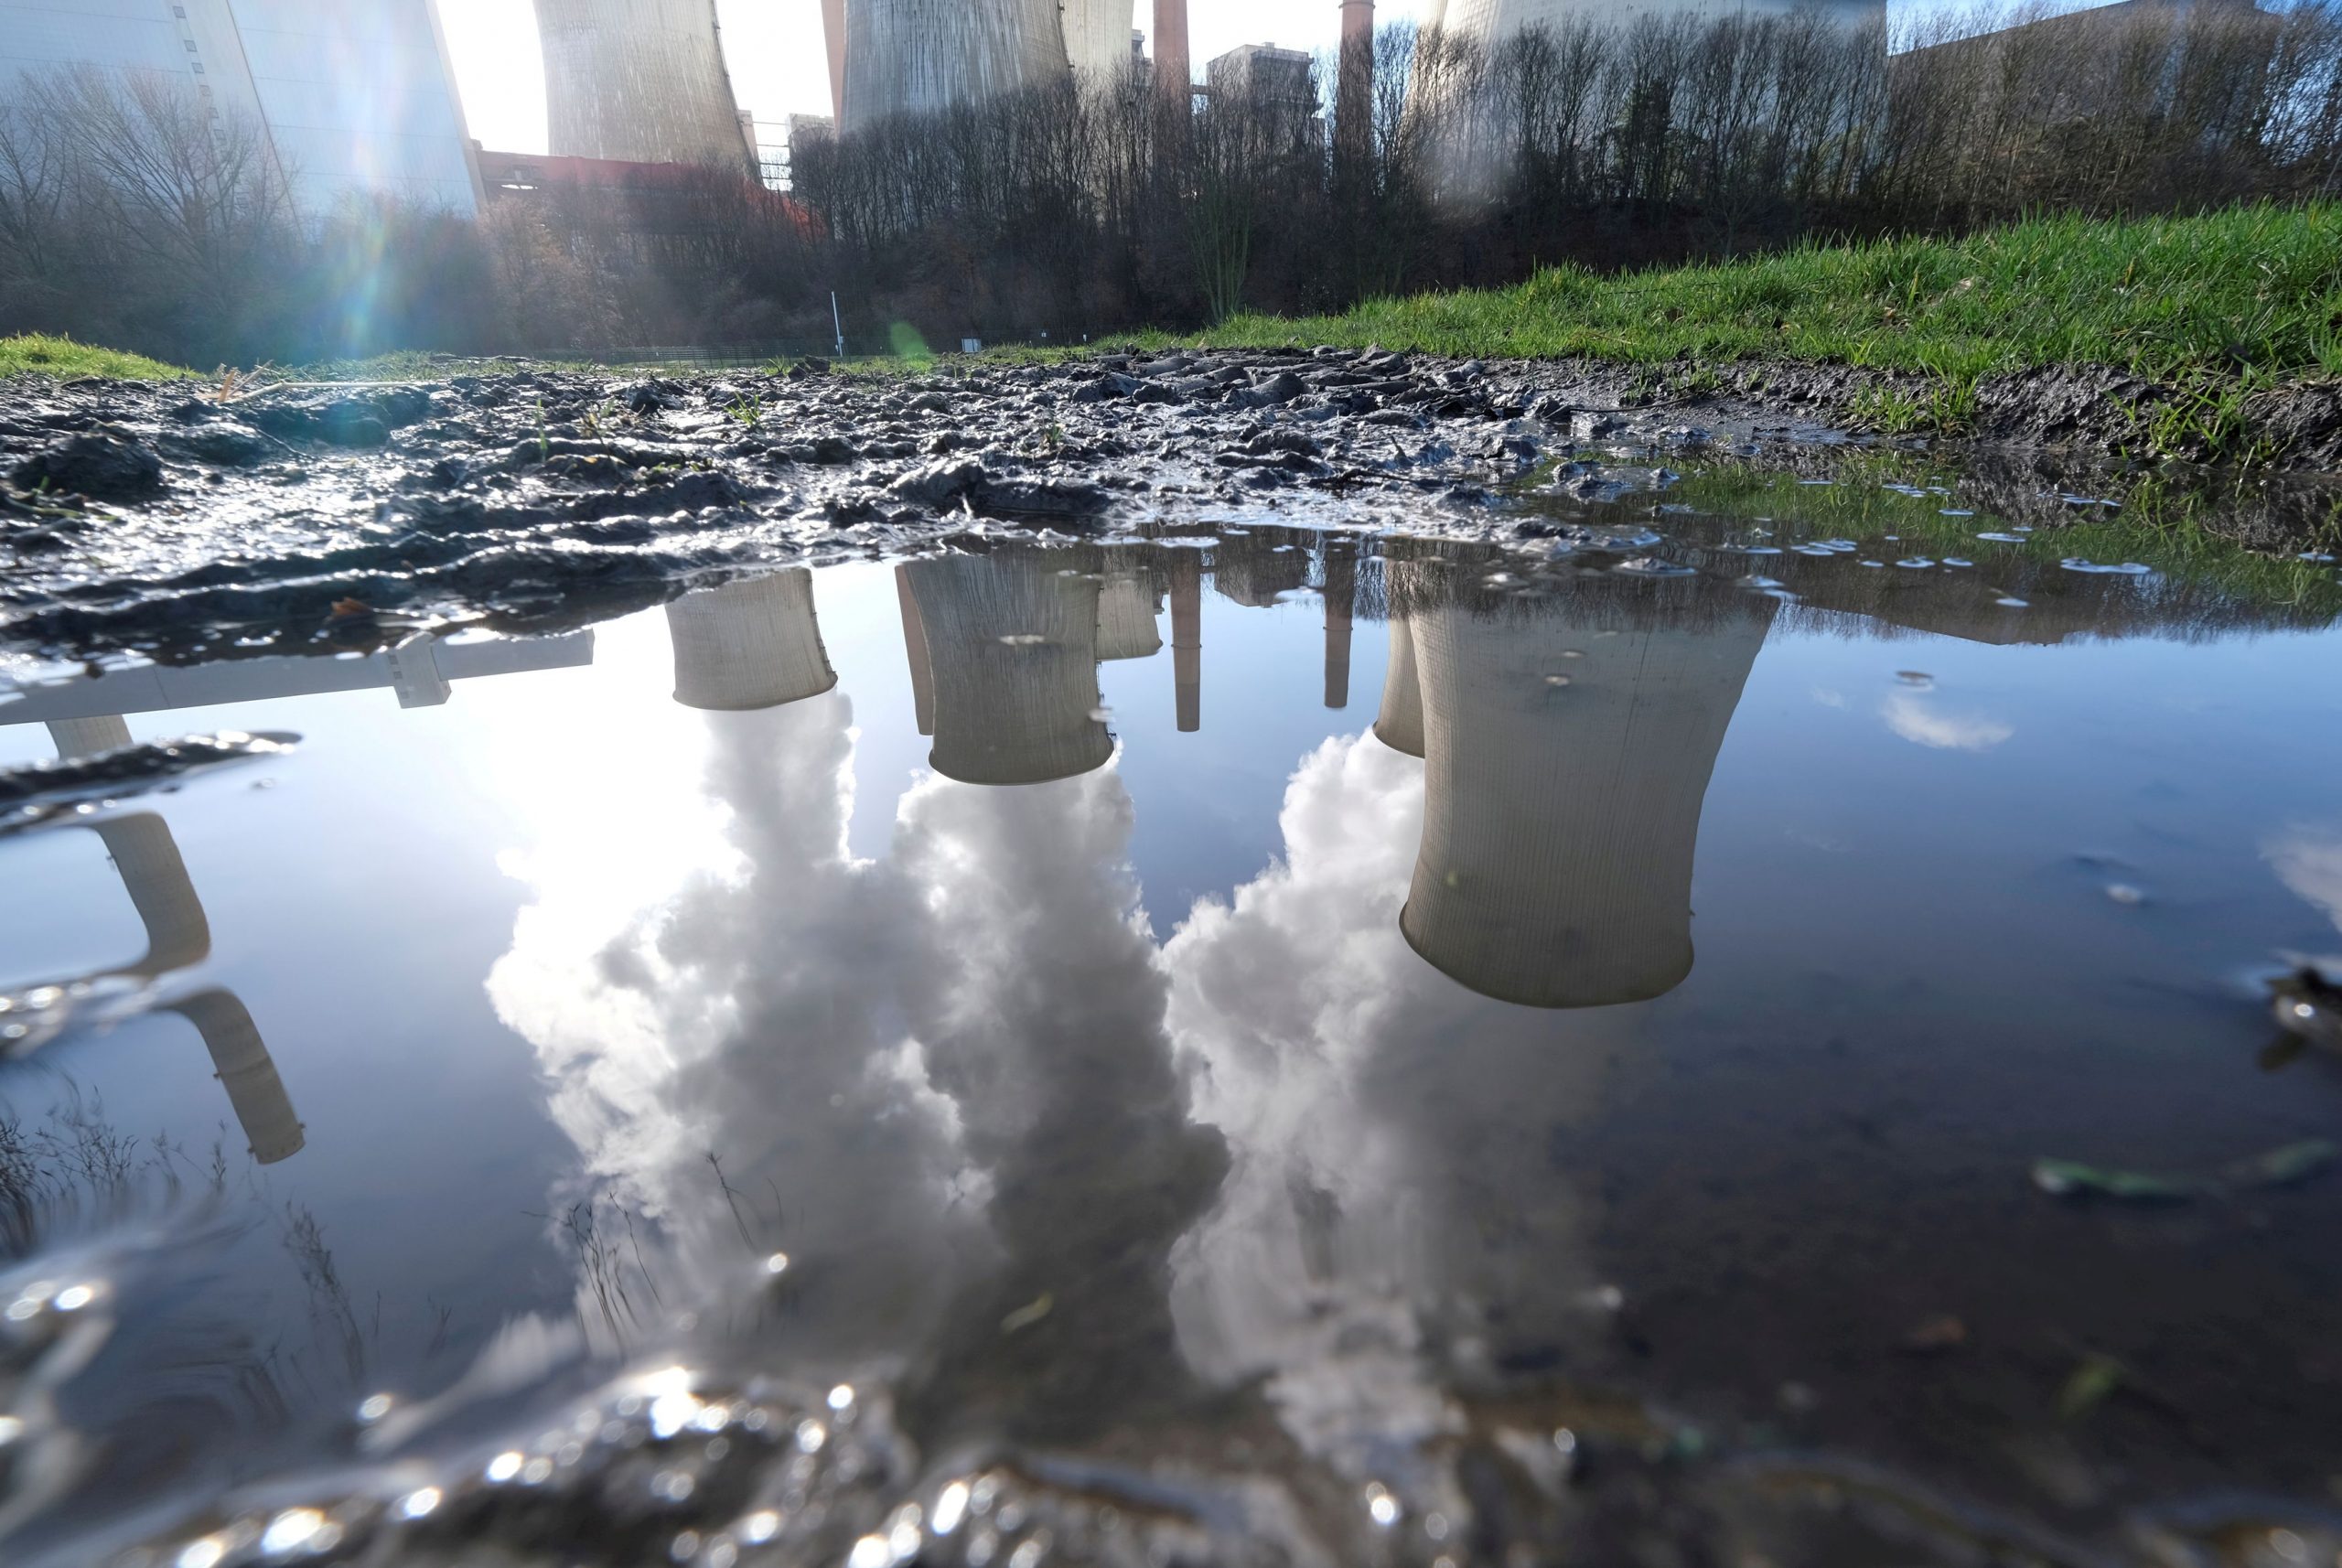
(1567, 756)
(1127, 605)
(355, 98)
(914, 57)
(640, 82)
(1398, 723)
(752, 644)
(1012, 645)
(1098, 39)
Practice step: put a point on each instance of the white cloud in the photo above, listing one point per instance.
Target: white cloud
(1915, 719)
(2309, 862)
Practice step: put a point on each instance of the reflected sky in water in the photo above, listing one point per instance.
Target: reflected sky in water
(1253, 996)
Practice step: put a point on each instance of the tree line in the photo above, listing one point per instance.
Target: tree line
(131, 214)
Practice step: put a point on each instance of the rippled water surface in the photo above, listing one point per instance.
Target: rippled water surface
(1244, 1048)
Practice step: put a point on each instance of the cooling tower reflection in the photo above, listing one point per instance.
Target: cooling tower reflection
(750, 644)
(1013, 648)
(1568, 741)
(938, 1083)
(178, 937)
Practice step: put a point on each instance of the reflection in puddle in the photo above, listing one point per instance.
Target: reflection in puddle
(1414, 1197)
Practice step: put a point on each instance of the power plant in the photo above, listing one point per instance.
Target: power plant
(638, 81)
(355, 99)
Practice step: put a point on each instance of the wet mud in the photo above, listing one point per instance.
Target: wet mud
(162, 518)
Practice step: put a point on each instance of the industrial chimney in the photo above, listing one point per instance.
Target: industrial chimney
(1354, 83)
(1172, 79)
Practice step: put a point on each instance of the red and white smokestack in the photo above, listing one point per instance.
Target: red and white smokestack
(1171, 70)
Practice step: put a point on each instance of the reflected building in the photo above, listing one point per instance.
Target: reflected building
(1011, 644)
(179, 936)
(751, 644)
(1258, 568)
(1568, 744)
(422, 671)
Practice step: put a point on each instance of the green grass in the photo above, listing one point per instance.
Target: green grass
(2254, 287)
(33, 354)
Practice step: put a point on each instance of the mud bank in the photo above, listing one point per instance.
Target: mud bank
(140, 516)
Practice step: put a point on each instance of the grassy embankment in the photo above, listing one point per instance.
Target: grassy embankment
(64, 358)
(2222, 305)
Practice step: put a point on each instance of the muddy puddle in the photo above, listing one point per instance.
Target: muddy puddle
(1736, 1030)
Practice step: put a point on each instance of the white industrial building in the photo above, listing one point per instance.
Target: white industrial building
(356, 97)
(639, 81)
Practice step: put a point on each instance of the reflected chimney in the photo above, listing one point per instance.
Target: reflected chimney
(751, 644)
(1012, 638)
(1398, 723)
(1341, 590)
(240, 1059)
(1567, 759)
(915, 649)
(1186, 575)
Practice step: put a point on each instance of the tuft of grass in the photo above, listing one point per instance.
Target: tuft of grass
(36, 354)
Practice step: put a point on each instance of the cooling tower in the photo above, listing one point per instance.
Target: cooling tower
(1012, 642)
(639, 81)
(915, 647)
(356, 97)
(1566, 760)
(1127, 603)
(1098, 40)
(1398, 723)
(752, 644)
(241, 1061)
(915, 57)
